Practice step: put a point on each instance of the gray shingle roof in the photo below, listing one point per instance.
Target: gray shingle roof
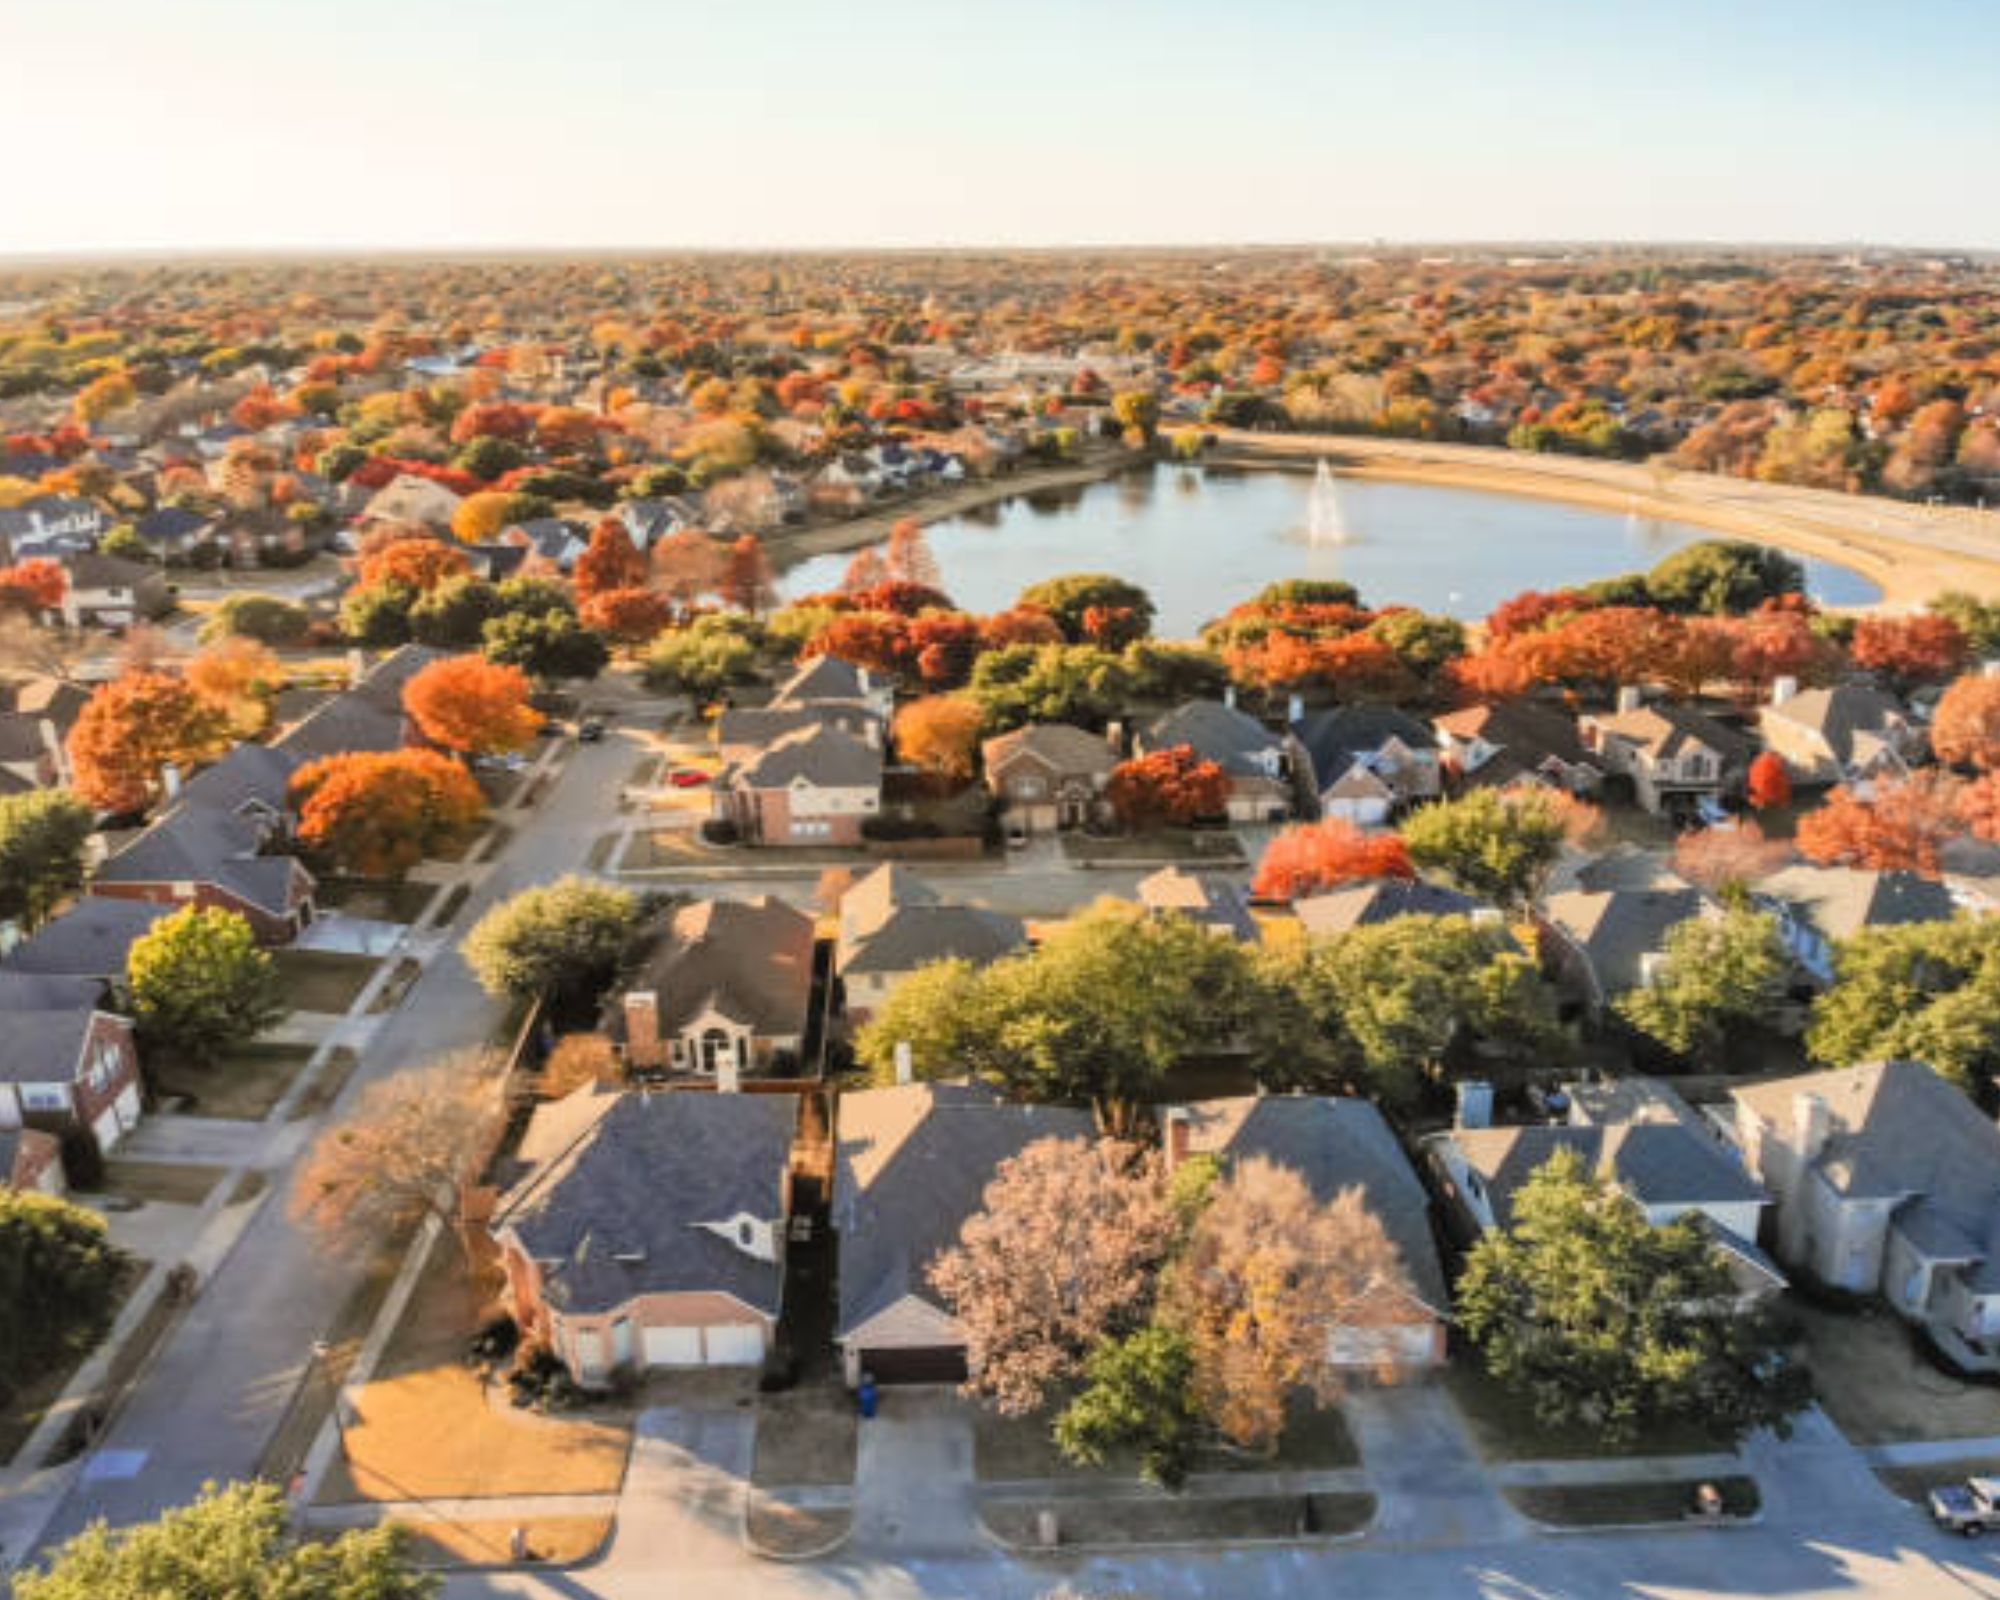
(912, 1164)
(1618, 928)
(1364, 903)
(1234, 740)
(1335, 737)
(1840, 901)
(892, 921)
(1838, 714)
(1657, 1163)
(750, 959)
(1203, 897)
(90, 940)
(618, 1210)
(1065, 750)
(822, 756)
(44, 1020)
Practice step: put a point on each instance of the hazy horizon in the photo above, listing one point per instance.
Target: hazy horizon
(414, 126)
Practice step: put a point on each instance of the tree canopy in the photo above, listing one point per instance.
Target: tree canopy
(1921, 991)
(563, 938)
(59, 1275)
(1719, 974)
(43, 834)
(199, 982)
(1496, 846)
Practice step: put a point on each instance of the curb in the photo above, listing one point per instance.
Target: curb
(1308, 1541)
(793, 1557)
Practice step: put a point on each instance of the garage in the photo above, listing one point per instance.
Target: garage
(673, 1347)
(734, 1344)
(934, 1363)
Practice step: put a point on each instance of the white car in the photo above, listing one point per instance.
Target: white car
(1969, 1508)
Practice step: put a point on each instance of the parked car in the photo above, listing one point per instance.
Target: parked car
(1969, 1508)
(590, 730)
(687, 778)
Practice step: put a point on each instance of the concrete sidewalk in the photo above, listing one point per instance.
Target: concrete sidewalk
(1429, 1482)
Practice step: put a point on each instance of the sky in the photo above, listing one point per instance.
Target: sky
(204, 125)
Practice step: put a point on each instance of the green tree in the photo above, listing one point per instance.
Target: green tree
(1598, 1318)
(453, 616)
(233, 1543)
(1137, 411)
(1026, 683)
(564, 938)
(1388, 1008)
(530, 596)
(1718, 975)
(1070, 599)
(378, 616)
(59, 1275)
(267, 618)
(1978, 620)
(546, 645)
(1138, 1393)
(1923, 991)
(42, 838)
(1723, 576)
(700, 660)
(198, 982)
(488, 457)
(1497, 846)
(1423, 642)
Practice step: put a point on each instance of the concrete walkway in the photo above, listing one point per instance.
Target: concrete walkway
(913, 1476)
(682, 1504)
(1616, 1469)
(1430, 1485)
(1929, 1452)
(1815, 1478)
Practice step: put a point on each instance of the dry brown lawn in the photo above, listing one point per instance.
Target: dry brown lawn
(427, 1426)
(552, 1541)
(1878, 1386)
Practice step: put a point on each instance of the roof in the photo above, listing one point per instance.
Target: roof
(1666, 729)
(1618, 928)
(1336, 737)
(912, 1163)
(368, 716)
(617, 1207)
(824, 677)
(748, 729)
(1529, 732)
(1666, 1163)
(14, 1142)
(409, 498)
(46, 1019)
(54, 699)
(1058, 745)
(822, 756)
(89, 940)
(892, 921)
(92, 569)
(750, 959)
(1840, 901)
(21, 738)
(1215, 902)
(1838, 714)
(1367, 901)
(1334, 1144)
(1238, 743)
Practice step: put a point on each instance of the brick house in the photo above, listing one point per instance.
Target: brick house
(71, 1067)
(724, 994)
(1049, 775)
(813, 786)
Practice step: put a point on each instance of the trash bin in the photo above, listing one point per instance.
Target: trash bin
(865, 1396)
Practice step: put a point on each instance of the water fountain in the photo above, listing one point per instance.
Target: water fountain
(1324, 523)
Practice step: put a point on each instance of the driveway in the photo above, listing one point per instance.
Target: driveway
(1430, 1485)
(682, 1506)
(913, 1476)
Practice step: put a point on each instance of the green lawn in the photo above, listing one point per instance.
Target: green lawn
(243, 1083)
(1612, 1505)
(1505, 1428)
(377, 899)
(324, 981)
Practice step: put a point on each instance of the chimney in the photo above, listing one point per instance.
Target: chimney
(642, 1028)
(729, 1069)
(1295, 708)
(1630, 698)
(1114, 736)
(1782, 689)
(1811, 1122)
(906, 1071)
(1229, 696)
(1177, 1130)
(170, 781)
(357, 667)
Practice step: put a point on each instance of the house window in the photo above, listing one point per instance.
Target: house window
(716, 1048)
(1028, 788)
(44, 1097)
(746, 1234)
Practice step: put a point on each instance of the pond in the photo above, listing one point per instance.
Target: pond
(1199, 540)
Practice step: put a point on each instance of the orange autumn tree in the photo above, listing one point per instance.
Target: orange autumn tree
(37, 584)
(1901, 827)
(610, 561)
(240, 677)
(1317, 855)
(416, 563)
(378, 813)
(132, 728)
(470, 704)
(940, 733)
(1966, 729)
(1769, 782)
(1171, 787)
(630, 616)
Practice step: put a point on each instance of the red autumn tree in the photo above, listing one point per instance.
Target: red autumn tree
(495, 420)
(1911, 650)
(687, 564)
(1021, 625)
(1313, 856)
(943, 646)
(1171, 787)
(747, 581)
(610, 561)
(1533, 609)
(37, 584)
(1769, 781)
(877, 640)
(1114, 627)
(470, 704)
(1966, 728)
(630, 616)
(132, 728)
(420, 564)
(1979, 806)
(1902, 827)
(378, 813)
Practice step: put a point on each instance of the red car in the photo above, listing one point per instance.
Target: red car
(687, 778)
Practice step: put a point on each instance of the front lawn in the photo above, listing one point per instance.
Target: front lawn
(324, 981)
(551, 1541)
(428, 1427)
(173, 1183)
(1195, 847)
(805, 1436)
(1879, 1386)
(1022, 1449)
(242, 1083)
(375, 899)
(1616, 1505)
(1504, 1426)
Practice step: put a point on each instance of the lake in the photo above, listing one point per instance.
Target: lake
(1199, 540)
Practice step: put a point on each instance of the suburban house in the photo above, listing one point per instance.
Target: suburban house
(814, 786)
(208, 848)
(51, 525)
(1367, 901)
(111, 592)
(173, 533)
(368, 716)
(912, 1164)
(91, 939)
(31, 1161)
(742, 733)
(52, 704)
(892, 923)
(71, 1067)
(1210, 901)
(1337, 1144)
(410, 501)
(1598, 943)
(1645, 1141)
(1516, 742)
(1369, 761)
(1048, 775)
(828, 678)
(650, 1229)
(1818, 907)
(725, 993)
(550, 542)
(1887, 1181)
(1674, 756)
(1850, 734)
(1260, 764)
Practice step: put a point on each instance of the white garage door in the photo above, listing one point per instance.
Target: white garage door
(735, 1344)
(673, 1347)
(1396, 1345)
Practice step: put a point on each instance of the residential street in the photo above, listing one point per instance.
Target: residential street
(221, 1386)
